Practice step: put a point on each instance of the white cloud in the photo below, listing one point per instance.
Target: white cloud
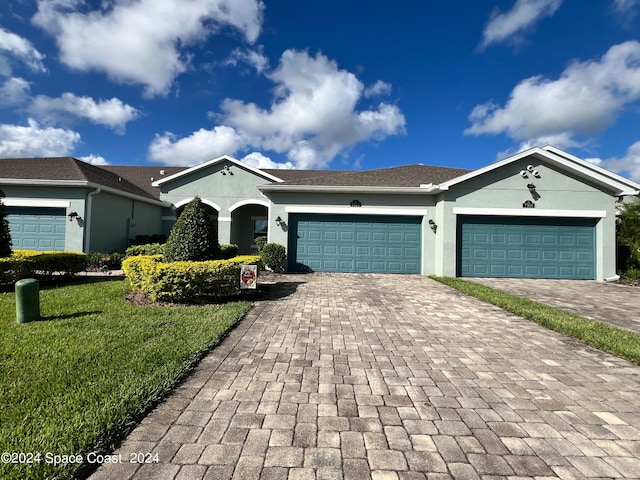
(20, 48)
(625, 6)
(312, 118)
(112, 113)
(94, 159)
(378, 89)
(34, 141)
(258, 160)
(14, 91)
(509, 26)
(585, 100)
(196, 148)
(629, 165)
(254, 58)
(142, 41)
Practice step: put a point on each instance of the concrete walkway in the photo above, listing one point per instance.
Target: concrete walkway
(380, 377)
(618, 305)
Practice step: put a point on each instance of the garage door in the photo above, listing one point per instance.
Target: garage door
(37, 228)
(529, 247)
(355, 243)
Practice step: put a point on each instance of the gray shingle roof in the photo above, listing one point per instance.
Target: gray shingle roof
(137, 179)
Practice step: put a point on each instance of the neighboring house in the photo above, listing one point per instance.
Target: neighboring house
(542, 213)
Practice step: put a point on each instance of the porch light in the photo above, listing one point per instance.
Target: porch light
(278, 221)
(73, 215)
(433, 225)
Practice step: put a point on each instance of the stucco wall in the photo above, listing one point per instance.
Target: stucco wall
(116, 220)
(224, 192)
(504, 188)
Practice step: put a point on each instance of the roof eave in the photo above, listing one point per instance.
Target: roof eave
(342, 189)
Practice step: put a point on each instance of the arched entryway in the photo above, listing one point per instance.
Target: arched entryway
(248, 222)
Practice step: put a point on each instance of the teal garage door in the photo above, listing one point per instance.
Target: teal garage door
(37, 228)
(355, 243)
(526, 247)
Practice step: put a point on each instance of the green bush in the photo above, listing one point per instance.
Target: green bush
(97, 261)
(5, 234)
(146, 249)
(260, 242)
(228, 250)
(273, 255)
(30, 263)
(184, 282)
(193, 237)
(147, 239)
(632, 274)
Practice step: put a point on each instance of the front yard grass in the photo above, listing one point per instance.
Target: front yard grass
(622, 343)
(78, 380)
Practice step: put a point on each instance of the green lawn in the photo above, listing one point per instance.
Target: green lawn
(621, 343)
(76, 381)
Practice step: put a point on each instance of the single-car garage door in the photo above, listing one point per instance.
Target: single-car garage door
(526, 247)
(37, 228)
(354, 243)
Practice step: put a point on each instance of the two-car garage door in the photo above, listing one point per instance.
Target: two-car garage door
(526, 247)
(355, 243)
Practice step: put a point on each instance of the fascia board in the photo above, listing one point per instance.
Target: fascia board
(213, 161)
(43, 183)
(340, 189)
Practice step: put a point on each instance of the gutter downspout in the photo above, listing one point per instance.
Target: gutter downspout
(87, 219)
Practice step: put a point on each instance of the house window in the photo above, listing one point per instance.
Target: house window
(260, 227)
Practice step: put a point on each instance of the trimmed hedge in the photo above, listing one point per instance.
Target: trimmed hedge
(31, 263)
(146, 249)
(185, 282)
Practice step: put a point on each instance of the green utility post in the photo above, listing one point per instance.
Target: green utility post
(27, 300)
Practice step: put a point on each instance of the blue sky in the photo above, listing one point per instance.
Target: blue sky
(320, 84)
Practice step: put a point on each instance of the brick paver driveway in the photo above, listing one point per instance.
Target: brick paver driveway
(392, 377)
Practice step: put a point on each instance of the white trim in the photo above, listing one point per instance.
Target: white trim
(529, 212)
(36, 202)
(419, 211)
(213, 161)
(276, 187)
(203, 200)
(224, 219)
(242, 203)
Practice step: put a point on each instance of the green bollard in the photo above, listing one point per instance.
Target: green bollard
(27, 300)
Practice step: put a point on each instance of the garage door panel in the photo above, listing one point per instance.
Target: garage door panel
(535, 247)
(354, 243)
(37, 228)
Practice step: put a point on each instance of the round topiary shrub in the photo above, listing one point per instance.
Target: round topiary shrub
(273, 255)
(193, 237)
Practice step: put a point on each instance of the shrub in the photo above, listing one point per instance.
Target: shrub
(30, 263)
(184, 281)
(104, 261)
(260, 242)
(5, 234)
(193, 237)
(147, 239)
(229, 251)
(146, 249)
(273, 255)
(632, 274)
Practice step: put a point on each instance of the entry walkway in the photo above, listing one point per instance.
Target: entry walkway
(340, 376)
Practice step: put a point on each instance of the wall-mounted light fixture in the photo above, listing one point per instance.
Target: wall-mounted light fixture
(531, 187)
(73, 215)
(226, 170)
(523, 174)
(536, 173)
(530, 168)
(433, 225)
(278, 221)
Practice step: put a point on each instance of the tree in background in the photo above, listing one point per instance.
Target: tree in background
(5, 234)
(629, 231)
(193, 237)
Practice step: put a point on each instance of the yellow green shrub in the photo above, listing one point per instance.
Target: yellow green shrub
(184, 281)
(32, 263)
